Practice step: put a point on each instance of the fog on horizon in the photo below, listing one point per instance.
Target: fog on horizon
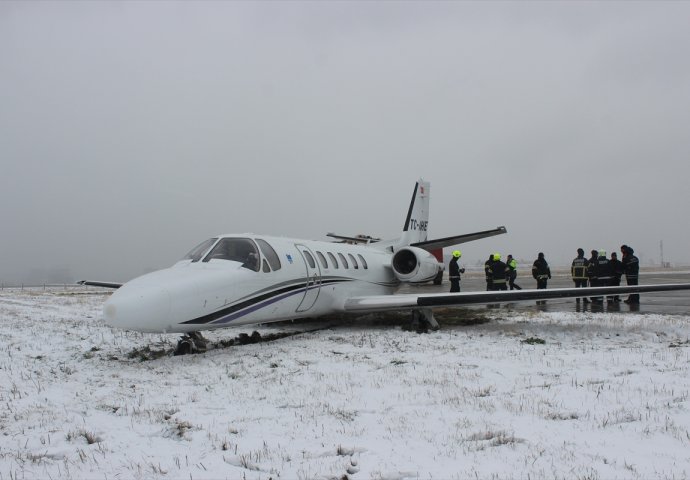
(131, 131)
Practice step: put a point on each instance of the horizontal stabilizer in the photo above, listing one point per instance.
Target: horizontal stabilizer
(100, 284)
(448, 241)
(356, 239)
(408, 301)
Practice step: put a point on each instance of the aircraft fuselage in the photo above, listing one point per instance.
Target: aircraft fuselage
(309, 278)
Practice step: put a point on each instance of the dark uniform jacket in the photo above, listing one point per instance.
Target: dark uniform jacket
(498, 272)
(631, 266)
(592, 259)
(540, 269)
(600, 270)
(454, 269)
(487, 270)
(511, 273)
(616, 268)
(579, 268)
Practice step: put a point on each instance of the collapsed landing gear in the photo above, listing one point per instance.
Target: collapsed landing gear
(423, 320)
(192, 342)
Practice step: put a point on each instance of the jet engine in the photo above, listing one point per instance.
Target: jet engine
(414, 265)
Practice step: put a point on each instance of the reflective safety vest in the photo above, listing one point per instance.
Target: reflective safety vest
(579, 268)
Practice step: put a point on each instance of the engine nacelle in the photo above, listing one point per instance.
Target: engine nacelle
(414, 265)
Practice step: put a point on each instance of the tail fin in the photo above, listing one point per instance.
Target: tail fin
(416, 226)
(417, 221)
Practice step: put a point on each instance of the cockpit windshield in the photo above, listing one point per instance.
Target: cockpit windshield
(241, 250)
(197, 252)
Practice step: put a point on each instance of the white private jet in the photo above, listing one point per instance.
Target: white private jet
(245, 279)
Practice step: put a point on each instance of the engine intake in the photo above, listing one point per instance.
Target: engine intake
(415, 265)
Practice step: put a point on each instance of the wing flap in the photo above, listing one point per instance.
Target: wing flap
(408, 301)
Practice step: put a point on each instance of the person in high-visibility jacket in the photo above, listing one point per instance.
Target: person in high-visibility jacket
(511, 274)
(578, 270)
(454, 271)
(498, 273)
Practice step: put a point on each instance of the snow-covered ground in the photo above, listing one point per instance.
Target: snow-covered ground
(605, 396)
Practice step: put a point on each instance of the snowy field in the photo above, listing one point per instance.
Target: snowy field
(604, 396)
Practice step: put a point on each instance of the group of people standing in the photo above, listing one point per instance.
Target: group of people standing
(597, 271)
(499, 274)
(600, 271)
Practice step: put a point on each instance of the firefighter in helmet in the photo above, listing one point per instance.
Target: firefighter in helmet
(454, 271)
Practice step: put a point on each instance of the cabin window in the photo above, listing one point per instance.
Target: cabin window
(197, 252)
(362, 261)
(241, 250)
(269, 253)
(333, 260)
(342, 260)
(310, 259)
(354, 262)
(266, 268)
(322, 259)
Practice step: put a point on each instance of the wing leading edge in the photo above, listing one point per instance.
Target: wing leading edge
(99, 284)
(410, 302)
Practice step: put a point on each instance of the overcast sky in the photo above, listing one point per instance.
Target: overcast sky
(131, 131)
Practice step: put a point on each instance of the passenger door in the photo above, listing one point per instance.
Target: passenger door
(313, 283)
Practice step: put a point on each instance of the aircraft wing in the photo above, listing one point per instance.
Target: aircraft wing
(100, 284)
(412, 301)
(448, 241)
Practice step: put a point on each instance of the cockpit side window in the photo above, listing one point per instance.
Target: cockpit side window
(197, 252)
(241, 250)
(265, 267)
(270, 254)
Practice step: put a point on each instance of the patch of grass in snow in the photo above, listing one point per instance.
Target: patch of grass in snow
(533, 341)
(146, 353)
(90, 437)
(462, 317)
(344, 451)
(561, 416)
(483, 392)
(179, 429)
(91, 353)
(490, 438)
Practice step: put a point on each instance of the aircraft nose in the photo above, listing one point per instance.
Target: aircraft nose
(140, 309)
